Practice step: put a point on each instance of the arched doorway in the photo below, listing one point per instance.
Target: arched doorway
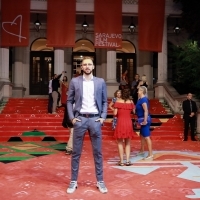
(41, 67)
(82, 49)
(126, 60)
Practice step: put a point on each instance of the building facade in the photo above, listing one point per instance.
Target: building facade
(26, 70)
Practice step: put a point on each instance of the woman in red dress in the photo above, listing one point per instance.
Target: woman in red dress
(64, 88)
(124, 129)
(124, 84)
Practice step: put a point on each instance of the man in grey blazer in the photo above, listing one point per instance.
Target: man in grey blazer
(89, 94)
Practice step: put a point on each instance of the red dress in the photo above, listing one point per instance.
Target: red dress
(64, 90)
(124, 128)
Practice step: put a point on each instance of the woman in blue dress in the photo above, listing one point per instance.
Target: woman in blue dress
(142, 111)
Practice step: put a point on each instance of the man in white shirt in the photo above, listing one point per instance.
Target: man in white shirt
(89, 94)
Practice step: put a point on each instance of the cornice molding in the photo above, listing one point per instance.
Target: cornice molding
(87, 6)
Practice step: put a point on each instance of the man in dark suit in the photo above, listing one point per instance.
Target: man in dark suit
(89, 94)
(189, 116)
(134, 88)
(55, 93)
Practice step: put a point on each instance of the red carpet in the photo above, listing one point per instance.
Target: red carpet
(35, 170)
(26, 115)
(47, 177)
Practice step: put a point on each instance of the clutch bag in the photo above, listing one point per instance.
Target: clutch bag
(140, 120)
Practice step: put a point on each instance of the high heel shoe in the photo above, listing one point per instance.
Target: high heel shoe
(148, 158)
(120, 164)
(128, 163)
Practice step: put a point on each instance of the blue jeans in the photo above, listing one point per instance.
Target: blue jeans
(95, 134)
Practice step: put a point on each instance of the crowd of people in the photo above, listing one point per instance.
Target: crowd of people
(123, 105)
(57, 92)
(85, 102)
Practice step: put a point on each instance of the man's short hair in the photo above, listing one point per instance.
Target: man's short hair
(87, 57)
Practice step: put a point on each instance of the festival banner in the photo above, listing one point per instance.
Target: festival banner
(61, 22)
(108, 24)
(15, 22)
(151, 16)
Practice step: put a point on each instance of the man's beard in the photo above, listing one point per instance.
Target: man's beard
(87, 73)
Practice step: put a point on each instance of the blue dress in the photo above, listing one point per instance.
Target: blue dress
(145, 129)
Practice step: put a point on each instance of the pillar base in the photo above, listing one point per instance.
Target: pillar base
(18, 92)
(151, 94)
(111, 88)
(159, 92)
(5, 80)
(5, 90)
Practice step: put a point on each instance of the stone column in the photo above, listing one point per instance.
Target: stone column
(162, 65)
(58, 61)
(111, 67)
(4, 65)
(6, 89)
(162, 57)
(18, 67)
(18, 89)
(111, 81)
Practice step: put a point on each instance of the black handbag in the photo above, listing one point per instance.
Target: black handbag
(136, 126)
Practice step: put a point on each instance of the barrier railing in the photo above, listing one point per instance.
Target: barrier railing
(174, 99)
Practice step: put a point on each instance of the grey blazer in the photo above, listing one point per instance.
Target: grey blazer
(75, 94)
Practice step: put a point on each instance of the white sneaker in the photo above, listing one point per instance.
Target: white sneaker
(101, 186)
(72, 187)
(149, 158)
(140, 153)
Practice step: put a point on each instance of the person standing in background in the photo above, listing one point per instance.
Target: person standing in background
(144, 119)
(66, 121)
(124, 128)
(117, 95)
(143, 82)
(64, 89)
(78, 72)
(134, 88)
(68, 124)
(50, 102)
(55, 94)
(124, 81)
(190, 109)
